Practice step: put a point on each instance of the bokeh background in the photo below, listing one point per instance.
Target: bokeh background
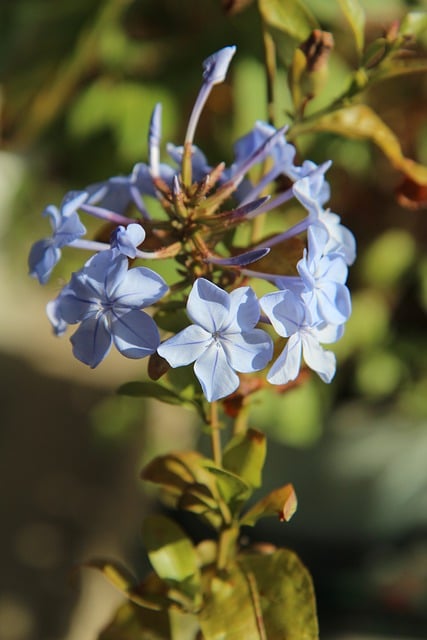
(79, 79)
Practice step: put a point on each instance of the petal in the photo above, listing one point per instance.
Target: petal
(287, 365)
(135, 334)
(248, 351)
(43, 257)
(140, 287)
(321, 361)
(74, 309)
(69, 230)
(285, 311)
(244, 310)
(208, 305)
(92, 341)
(215, 67)
(215, 374)
(186, 346)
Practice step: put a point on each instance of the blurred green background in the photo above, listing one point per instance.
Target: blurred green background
(79, 79)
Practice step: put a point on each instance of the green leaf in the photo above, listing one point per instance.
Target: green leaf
(172, 554)
(281, 503)
(127, 584)
(233, 489)
(228, 612)
(132, 622)
(361, 122)
(414, 24)
(291, 17)
(245, 456)
(287, 24)
(139, 389)
(355, 15)
(282, 593)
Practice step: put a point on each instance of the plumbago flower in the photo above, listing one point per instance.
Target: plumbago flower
(222, 339)
(309, 306)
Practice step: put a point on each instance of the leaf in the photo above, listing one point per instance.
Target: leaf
(234, 490)
(127, 584)
(287, 25)
(355, 15)
(245, 456)
(281, 503)
(132, 622)
(291, 17)
(361, 122)
(228, 611)
(158, 391)
(282, 258)
(414, 24)
(282, 591)
(172, 554)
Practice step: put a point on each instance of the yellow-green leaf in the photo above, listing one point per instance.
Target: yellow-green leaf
(361, 122)
(291, 17)
(172, 554)
(355, 15)
(228, 612)
(281, 503)
(245, 456)
(282, 592)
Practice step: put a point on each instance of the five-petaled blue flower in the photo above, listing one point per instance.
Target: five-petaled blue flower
(222, 339)
(107, 298)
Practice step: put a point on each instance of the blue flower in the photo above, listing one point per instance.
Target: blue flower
(222, 339)
(290, 319)
(107, 298)
(127, 239)
(66, 228)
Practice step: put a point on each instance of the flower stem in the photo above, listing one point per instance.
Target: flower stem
(215, 435)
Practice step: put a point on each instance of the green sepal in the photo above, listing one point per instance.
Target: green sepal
(245, 456)
(281, 503)
(173, 557)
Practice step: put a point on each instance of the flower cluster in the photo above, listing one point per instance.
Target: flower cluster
(309, 302)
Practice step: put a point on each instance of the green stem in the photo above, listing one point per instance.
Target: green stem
(215, 435)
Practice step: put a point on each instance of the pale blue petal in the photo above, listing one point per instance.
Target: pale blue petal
(92, 341)
(74, 309)
(42, 259)
(186, 346)
(215, 67)
(135, 334)
(139, 287)
(217, 378)
(248, 351)
(285, 311)
(127, 239)
(321, 361)
(287, 365)
(208, 305)
(244, 310)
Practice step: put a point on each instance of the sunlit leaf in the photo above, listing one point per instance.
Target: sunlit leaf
(245, 456)
(361, 122)
(282, 591)
(228, 611)
(126, 583)
(287, 25)
(414, 24)
(132, 622)
(355, 15)
(281, 503)
(172, 554)
(233, 490)
(291, 17)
